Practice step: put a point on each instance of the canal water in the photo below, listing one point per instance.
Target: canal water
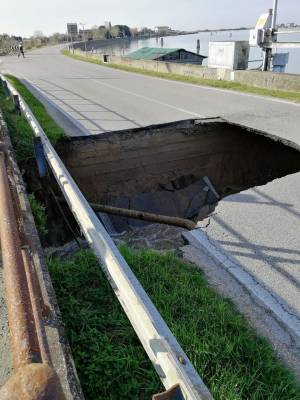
(189, 42)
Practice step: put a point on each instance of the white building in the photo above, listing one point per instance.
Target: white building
(162, 30)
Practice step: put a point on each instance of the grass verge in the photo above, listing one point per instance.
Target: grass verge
(234, 362)
(281, 94)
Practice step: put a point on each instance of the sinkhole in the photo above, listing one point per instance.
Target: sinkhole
(178, 169)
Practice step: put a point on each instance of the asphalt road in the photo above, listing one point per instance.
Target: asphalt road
(259, 227)
(106, 99)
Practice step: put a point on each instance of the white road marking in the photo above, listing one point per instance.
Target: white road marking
(150, 99)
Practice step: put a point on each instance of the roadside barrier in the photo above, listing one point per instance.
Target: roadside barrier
(174, 368)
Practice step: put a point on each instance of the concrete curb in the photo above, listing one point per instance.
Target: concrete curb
(259, 293)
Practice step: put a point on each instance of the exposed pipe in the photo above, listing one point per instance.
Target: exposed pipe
(142, 215)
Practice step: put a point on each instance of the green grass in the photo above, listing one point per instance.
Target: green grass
(20, 132)
(39, 215)
(281, 94)
(234, 362)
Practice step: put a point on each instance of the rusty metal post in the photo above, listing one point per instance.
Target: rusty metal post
(174, 393)
(21, 321)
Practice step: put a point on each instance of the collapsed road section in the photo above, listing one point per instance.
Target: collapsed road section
(180, 169)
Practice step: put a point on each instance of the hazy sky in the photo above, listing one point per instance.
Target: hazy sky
(24, 17)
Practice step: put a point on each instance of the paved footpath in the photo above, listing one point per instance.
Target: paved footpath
(259, 227)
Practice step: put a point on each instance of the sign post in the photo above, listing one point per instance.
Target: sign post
(72, 30)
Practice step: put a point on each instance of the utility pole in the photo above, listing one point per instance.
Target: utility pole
(274, 18)
(270, 37)
(84, 37)
(268, 34)
(198, 46)
(265, 35)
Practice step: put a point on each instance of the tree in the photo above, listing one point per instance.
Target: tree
(120, 31)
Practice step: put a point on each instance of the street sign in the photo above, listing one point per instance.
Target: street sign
(72, 31)
(264, 22)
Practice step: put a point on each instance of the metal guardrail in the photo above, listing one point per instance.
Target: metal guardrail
(168, 358)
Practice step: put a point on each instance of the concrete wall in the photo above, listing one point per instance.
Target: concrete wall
(268, 80)
(167, 67)
(174, 68)
(100, 44)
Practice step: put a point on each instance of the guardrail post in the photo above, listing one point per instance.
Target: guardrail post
(17, 104)
(40, 157)
(5, 87)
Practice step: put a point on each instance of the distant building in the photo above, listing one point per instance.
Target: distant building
(162, 30)
(142, 31)
(288, 25)
(176, 55)
(86, 34)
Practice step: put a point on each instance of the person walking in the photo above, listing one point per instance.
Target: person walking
(21, 50)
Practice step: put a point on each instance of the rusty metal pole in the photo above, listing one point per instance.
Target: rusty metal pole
(36, 305)
(24, 340)
(33, 378)
(142, 215)
(145, 216)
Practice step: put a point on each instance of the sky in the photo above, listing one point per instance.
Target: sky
(51, 16)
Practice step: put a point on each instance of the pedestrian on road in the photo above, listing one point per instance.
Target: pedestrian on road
(21, 50)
